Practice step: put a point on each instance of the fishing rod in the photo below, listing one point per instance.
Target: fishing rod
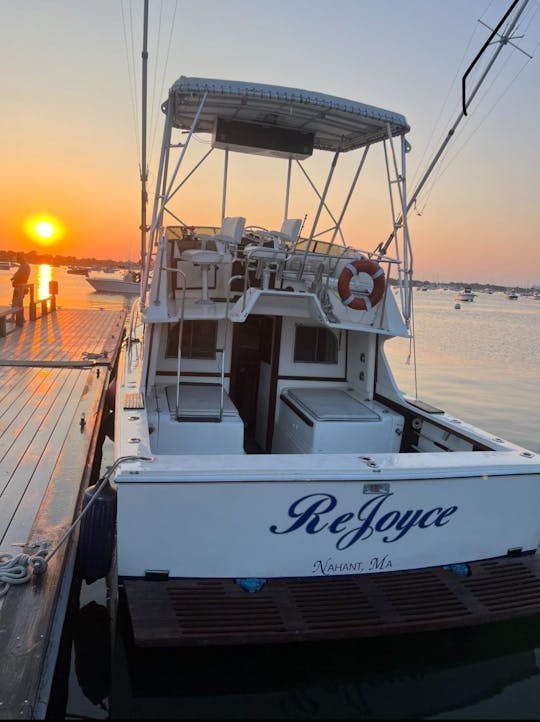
(504, 40)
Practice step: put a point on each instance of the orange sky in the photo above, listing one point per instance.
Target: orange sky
(70, 145)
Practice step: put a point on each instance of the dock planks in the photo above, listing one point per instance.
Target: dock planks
(54, 373)
(67, 337)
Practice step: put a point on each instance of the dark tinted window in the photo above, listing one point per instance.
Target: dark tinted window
(198, 339)
(315, 345)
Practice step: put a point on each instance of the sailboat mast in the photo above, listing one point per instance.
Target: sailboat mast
(143, 168)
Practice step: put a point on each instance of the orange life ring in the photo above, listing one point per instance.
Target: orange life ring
(361, 303)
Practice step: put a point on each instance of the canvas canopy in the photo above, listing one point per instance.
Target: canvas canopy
(336, 123)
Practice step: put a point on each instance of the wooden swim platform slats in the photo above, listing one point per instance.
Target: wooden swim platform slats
(204, 612)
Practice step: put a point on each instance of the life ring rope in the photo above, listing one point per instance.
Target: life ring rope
(361, 303)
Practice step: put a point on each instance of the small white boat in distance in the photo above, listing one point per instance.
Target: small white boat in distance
(129, 282)
(512, 295)
(465, 294)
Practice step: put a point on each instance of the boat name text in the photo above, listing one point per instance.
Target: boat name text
(308, 513)
(331, 566)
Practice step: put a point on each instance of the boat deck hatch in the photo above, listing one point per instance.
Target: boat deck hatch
(199, 400)
(331, 405)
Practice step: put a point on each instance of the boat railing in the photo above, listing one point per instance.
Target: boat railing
(220, 351)
(262, 262)
(222, 387)
(132, 341)
(239, 277)
(151, 265)
(180, 335)
(320, 272)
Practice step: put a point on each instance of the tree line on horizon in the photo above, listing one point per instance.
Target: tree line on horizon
(56, 260)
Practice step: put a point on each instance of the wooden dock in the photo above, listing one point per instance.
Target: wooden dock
(54, 373)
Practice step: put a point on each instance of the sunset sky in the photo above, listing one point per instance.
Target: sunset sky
(70, 121)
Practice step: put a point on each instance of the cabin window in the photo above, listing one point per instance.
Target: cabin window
(315, 345)
(199, 340)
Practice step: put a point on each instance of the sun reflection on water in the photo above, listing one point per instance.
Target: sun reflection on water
(44, 275)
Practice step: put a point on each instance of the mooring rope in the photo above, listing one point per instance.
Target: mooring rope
(18, 568)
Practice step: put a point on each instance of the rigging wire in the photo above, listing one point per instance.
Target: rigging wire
(446, 162)
(131, 75)
(155, 105)
(412, 349)
(153, 101)
(128, 24)
(429, 145)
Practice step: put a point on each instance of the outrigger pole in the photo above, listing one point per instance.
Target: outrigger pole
(504, 39)
(144, 168)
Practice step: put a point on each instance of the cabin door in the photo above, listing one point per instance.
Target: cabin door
(254, 378)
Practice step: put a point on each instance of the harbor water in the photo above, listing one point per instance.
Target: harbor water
(480, 363)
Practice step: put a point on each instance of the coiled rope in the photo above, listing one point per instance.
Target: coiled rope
(18, 568)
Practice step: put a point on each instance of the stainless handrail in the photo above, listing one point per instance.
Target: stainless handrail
(130, 339)
(180, 334)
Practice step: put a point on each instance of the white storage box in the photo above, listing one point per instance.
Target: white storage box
(200, 429)
(333, 420)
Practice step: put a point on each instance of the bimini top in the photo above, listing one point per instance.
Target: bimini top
(335, 123)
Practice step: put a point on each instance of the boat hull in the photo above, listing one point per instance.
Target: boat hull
(112, 285)
(295, 528)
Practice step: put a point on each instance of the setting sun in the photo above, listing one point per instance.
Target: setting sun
(44, 229)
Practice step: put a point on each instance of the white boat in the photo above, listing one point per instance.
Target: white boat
(466, 294)
(512, 294)
(128, 282)
(259, 432)
(259, 435)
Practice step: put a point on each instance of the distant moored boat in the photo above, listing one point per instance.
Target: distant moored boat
(79, 270)
(465, 294)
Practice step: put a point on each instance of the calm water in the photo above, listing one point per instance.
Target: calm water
(480, 363)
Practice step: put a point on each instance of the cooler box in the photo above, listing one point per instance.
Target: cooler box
(334, 421)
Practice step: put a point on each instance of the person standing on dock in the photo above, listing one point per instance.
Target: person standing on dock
(19, 280)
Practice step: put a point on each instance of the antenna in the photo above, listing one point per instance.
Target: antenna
(144, 168)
